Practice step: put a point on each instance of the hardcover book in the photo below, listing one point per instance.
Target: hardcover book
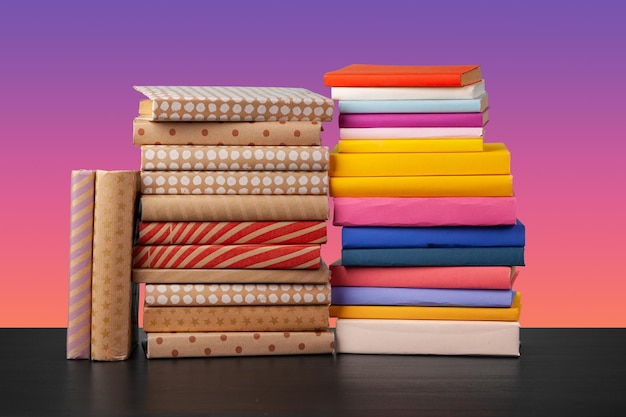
(467, 92)
(378, 120)
(478, 104)
(410, 145)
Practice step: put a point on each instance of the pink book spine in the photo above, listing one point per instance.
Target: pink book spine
(368, 120)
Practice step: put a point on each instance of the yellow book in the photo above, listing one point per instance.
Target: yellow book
(410, 145)
(495, 159)
(430, 313)
(423, 186)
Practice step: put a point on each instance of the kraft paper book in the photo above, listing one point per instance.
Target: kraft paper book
(230, 103)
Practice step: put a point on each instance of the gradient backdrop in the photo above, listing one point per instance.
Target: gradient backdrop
(554, 73)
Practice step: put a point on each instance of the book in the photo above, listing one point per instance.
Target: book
(433, 237)
(474, 256)
(233, 158)
(246, 276)
(478, 104)
(82, 192)
(424, 211)
(231, 103)
(408, 93)
(235, 319)
(429, 313)
(230, 233)
(423, 186)
(442, 297)
(114, 298)
(227, 256)
(410, 145)
(494, 159)
(410, 132)
(227, 294)
(428, 337)
(216, 344)
(370, 75)
(378, 120)
(469, 277)
(146, 132)
(235, 182)
(234, 207)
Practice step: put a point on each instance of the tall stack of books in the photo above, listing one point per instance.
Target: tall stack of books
(430, 239)
(234, 206)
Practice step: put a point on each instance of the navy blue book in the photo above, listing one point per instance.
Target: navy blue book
(483, 256)
(433, 237)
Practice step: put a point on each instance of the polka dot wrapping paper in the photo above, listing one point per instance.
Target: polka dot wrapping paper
(172, 345)
(241, 104)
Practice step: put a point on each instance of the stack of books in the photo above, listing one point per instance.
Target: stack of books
(430, 239)
(234, 203)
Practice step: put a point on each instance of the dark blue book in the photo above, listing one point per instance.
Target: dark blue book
(484, 256)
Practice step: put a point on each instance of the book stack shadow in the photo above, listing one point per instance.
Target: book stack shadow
(430, 238)
(234, 204)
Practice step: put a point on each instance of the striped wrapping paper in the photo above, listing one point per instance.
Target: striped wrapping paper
(231, 233)
(81, 250)
(235, 182)
(228, 256)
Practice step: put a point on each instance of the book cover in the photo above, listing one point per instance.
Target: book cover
(113, 325)
(146, 132)
(227, 256)
(227, 294)
(230, 233)
(433, 237)
(468, 277)
(478, 104)
(424, 211)
(410, 132)
(216, 344)
(377, 120)
(235, 319)
(230, 103)
(82, 192)
(234, 207)
(423, 186)
(235, 182)
(436, 297)
(494, 159)
(233, 158)
(370, 75)
(478, 256)
(428, 337)
(219, 276)
(430, 313)
(409, 93)
(410, 145)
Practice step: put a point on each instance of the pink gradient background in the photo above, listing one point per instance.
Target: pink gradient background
(553, 72)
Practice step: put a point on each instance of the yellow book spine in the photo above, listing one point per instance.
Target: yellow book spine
(410, 145)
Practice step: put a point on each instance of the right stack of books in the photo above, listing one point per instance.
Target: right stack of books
(430, 239)
(234, 203)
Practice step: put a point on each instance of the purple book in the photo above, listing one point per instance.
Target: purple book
(366, 120)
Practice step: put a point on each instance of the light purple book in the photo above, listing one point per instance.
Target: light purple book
(434, 297)
(372, 120)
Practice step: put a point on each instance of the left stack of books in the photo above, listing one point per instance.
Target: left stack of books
(234, 206)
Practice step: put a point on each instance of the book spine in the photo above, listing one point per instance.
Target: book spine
(231, 233)
(377, 120)
(225, 294)
(112, 331)
(410, 145)
(235, 319)
(234, 207)
(215, 344)
(81, 250)
(234, 158)
(235, 182)
(227, 133)
(410, 132)
(414, 106)
(409, 93)
(228, 256)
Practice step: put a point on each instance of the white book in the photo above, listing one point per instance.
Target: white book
(427, 337)
(408, 93)
(410, 132)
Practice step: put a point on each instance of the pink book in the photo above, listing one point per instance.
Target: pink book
(448, 277)
(368, 120)
(424, 211)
